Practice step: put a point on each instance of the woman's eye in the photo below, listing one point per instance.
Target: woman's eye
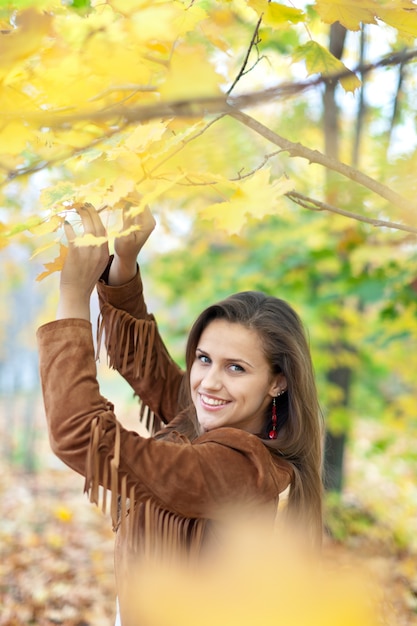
(203, 358)
(236, 368)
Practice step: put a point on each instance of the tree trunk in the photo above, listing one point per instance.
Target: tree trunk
(335, 443)
(340, 376)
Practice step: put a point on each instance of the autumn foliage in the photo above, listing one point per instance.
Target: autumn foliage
(116, 98)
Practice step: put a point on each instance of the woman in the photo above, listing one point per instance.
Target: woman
(242, 423)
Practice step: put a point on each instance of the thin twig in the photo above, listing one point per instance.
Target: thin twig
(317, 205)
(254, 42)
(40, 165)
(235, 179)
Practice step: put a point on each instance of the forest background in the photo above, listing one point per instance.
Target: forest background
(276, 145)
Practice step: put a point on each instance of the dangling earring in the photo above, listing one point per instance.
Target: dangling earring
(273, 433)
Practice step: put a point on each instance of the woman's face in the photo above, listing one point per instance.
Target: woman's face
(230, 379)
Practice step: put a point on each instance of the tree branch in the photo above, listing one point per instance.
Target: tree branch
(316, 205)
(314, 156)
(197, 107)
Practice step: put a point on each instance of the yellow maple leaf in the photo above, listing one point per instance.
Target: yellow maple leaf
(47, 226)
(151, 191)
(190, 74)
(120, 188)
(276, 15)
(255, 197)
(31, 27)
(144, 134)
(319, 60)
(57, 194)
(56, 265)
(350, 13)
(89, 240)
(15, 136)
(165, 21)
(42, 249)
(400, 15)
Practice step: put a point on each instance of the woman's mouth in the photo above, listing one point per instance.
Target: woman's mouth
(211, 402)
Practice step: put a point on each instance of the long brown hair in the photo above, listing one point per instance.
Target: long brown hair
(300, 432)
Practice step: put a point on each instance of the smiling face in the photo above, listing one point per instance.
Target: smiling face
(231, 380)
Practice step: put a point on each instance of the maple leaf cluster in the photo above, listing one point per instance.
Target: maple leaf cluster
(118, 99)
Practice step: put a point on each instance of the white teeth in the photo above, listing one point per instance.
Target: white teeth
(212, 401)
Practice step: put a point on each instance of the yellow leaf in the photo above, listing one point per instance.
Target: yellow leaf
(158, 189)
(32, 27)
(56, 265)
(350, 13)
(188, 19)
(144, 134)
(120, 188)
(255, 197)
(42, 249)
(166, 21)
(89, 240)
(190, 74)
(16, 137)
(402, 16)
(126, 7)
(155, 23)
(129, 162)
(57, 194)
(63, 514)
(319, 60)
(47, 226)
(276, 15)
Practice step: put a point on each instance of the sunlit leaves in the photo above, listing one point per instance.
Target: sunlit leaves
(55, 265)
(319, 60)
(255, 197)
(32, 27)
(57, 194)
(144, 135)
(190, 74)
(76, 75)
(400, 15)
(276, 15)
(47, 226)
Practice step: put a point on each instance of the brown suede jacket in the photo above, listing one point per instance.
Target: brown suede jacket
(173, 485)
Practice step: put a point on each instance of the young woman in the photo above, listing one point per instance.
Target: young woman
(241, 424)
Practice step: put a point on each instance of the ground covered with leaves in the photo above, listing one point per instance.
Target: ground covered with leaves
(56, 562)
(56, 549)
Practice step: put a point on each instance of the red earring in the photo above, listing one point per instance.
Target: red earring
(273, 433)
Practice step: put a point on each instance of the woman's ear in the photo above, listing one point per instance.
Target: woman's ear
(279, 385)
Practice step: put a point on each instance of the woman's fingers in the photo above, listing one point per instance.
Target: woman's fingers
(91, 220)
(69, 232)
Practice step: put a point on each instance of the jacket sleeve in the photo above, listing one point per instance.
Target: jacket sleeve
(135, 348)
(189, 479)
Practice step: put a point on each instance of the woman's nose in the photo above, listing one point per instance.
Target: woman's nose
(212, 378)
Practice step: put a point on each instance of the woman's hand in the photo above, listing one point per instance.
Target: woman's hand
(127, 247)
(83, 267)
